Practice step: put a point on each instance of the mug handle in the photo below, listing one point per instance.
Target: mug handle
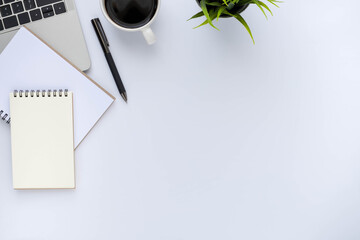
(149, 35)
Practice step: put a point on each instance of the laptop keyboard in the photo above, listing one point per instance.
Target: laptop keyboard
(18, 12)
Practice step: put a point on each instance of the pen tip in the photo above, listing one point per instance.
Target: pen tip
(124, 96)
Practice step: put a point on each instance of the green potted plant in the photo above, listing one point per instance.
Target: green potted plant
(215, 9)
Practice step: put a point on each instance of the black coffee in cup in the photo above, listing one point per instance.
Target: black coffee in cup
(131, 13)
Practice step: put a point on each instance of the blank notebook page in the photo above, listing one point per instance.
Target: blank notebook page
(42, 141)
(28, 63)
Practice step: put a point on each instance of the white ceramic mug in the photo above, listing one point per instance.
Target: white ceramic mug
(146, 30)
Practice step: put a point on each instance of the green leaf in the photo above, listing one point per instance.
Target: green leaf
(205, 10)
(258, 4)
(220, 11)
(212, 15)
(266, 7)
(242, 21)
(204, 23)
(231, 6)
(215, 4)
(273, 2)
(212, 9)
(199, 14)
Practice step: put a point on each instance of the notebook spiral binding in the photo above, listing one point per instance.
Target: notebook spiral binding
(41, 93)
(4, 117)
(32, 93)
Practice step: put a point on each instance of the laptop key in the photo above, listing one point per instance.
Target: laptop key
(41, 3)
(9, 1)
(24, 18)
(1, 2)
(17, 7)
(59, 8)
(1, 25)
(5, 11)
(47, 11)
(35, 15)
(29, 4)
(10, 22)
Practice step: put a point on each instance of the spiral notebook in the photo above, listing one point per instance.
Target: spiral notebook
(29, 63)
(42, 133)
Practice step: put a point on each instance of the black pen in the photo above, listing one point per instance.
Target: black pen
(105, 46)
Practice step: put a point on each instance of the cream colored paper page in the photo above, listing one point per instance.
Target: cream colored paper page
(42, 142)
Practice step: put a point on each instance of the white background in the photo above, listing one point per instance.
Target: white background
(221, 139)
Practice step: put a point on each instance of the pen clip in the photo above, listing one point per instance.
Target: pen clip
(102, 32)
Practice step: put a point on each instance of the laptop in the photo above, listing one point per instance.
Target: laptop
(54, 21)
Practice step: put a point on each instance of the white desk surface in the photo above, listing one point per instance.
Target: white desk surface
(220, 140)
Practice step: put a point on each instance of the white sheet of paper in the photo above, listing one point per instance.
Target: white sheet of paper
(29, 64)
